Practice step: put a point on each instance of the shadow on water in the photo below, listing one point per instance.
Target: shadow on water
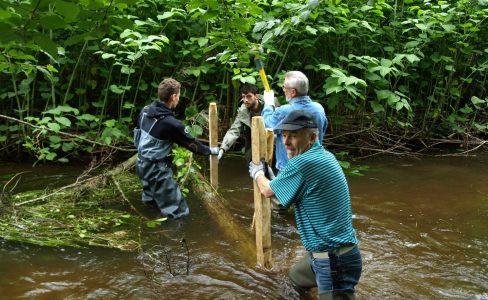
(421, 223)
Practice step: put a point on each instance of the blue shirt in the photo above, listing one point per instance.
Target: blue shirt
(315, 183)
(274, 117)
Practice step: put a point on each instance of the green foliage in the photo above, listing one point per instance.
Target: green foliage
(73, 219)
(405, 66)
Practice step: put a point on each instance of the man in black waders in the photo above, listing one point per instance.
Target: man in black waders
(156, 131)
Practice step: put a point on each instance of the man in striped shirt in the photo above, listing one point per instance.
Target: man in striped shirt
(314, 182)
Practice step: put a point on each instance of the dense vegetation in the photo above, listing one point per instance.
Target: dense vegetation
(391, 74)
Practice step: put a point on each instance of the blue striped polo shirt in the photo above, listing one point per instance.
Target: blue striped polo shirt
(315, 183)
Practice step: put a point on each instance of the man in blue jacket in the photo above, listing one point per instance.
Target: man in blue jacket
(295, 87)
(156, 131)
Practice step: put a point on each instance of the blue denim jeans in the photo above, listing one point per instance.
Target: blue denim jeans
(338, 272)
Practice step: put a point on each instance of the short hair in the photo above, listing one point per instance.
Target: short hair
(311, 131)
(249, 88)
(298, 81)
(168, 87)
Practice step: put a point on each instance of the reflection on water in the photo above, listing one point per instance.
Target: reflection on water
(421, 223)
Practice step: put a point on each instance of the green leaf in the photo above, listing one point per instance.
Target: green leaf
(412, 44)
(196, 130)
(376, 106)
(54, 139)
(165, 15)
(75, 39)
(87, 117)
(477, 101)
(116, 89)
(54, 127)
(128, 105)
(248, 79)
(51, 156)
(46, 44)
(448, 27)
(267, 36)
(110, 123)
(62, 109)
(383, 94)
(383, 70)
(466, 110)
(202, 42)
(332, 86)
(422, 27)
(154, 223)
(67, 147)
(311, 30)
(108, 55)
(68, 10)
(3, 138)
(367, 26)
(412, 58)
(179, 162)
(63, 120)
(52, 22)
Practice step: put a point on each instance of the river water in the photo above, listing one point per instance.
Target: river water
(422, 226)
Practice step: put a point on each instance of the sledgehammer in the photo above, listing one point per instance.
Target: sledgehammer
(262, 74)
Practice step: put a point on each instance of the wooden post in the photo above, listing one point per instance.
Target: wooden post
(213, 121)
(262, 205)
(269, 145)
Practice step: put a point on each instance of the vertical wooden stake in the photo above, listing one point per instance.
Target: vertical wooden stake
(213, 135)
(262, 205)
(269, 145)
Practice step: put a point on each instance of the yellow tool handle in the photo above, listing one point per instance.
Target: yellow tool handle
(264, 79)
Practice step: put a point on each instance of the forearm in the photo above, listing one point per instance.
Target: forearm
(263, 184)
(232, 134)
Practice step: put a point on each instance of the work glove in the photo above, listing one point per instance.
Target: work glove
(221, 153)
(256, 170)
(214, 150)
(268, 98)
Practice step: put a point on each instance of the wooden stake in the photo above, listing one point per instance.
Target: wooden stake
(213, 121)
(269, 145)
(262, 205)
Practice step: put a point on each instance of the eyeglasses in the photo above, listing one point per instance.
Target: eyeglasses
(287, 88)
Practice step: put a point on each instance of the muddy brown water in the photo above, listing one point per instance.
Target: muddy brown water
(422, 226)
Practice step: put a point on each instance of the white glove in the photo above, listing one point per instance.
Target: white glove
(269, 98)
(256, 170)
(221, 153)
(214, 150)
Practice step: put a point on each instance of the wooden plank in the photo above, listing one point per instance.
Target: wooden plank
(213, 123)
(262, 205)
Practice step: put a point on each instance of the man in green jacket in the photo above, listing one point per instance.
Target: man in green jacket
(252, 106)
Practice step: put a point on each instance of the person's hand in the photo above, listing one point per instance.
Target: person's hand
(268, 98)
(221, 153)
(214, 150)
(256, 170)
